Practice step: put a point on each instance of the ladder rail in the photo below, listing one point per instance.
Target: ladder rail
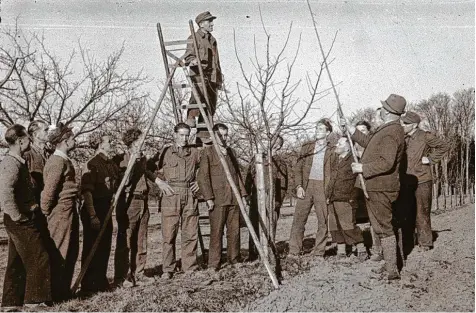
(178, 118)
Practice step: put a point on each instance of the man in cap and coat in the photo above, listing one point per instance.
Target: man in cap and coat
(422, 149)
(208, 59)
(381, 165)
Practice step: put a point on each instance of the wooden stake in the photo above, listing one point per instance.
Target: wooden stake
(261, 190)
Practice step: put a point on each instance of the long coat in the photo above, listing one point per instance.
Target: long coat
(342, 180)
(382, 157)
(212, 179)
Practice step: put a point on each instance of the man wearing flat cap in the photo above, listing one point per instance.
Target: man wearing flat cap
(380, 166)
(210, 63)
(422, 149)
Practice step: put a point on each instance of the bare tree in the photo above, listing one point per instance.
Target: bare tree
(44, 86)
(266, 104)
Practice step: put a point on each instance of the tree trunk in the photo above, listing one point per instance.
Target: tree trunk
(261, 190)
(434, 202)
(444, 172)
(467, 168)
(451, 197)
(272, 214)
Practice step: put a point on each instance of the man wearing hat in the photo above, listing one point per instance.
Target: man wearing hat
(380, 166)
(210, 62)
(422, 149)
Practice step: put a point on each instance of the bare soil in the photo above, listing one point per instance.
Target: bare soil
(439, 280)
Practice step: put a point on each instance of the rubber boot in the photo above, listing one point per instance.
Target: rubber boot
(389, 248)
(376, 247)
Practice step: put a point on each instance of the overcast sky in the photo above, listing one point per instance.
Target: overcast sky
(413, 48)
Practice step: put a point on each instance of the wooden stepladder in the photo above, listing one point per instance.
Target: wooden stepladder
(173, 51)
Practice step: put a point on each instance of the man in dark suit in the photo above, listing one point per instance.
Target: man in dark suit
(222, 204)
(311, 176)
(380, 165)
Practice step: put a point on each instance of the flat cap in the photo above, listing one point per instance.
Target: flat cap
(395, 104)
(411, 118)
(204, 16)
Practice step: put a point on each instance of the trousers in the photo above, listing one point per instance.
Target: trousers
(179, 209)
(314, 197)
(342, 224)
(220, 216)
(95, 278)
(130, 257)
(27, 274)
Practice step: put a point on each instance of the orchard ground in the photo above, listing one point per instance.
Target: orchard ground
(438, 280)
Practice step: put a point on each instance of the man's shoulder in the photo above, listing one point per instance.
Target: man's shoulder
(392, 128)
(9, 162)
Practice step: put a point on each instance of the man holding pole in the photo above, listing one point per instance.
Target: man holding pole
(381, 165)
(98, 185)
(222, 204)
(312, 174)
(177, 167)
(132, 216)
(209, 61)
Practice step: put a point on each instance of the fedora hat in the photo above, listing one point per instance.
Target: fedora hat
(204, 16)
(394, 104)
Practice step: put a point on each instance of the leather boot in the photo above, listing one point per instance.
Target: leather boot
(389, 248)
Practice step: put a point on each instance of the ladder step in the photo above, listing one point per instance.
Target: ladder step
(185, 85)
(177, 42)
(180, 85)
(190, 106)
(201, 125)
(177, 49)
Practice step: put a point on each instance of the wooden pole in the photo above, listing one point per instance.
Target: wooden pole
(130, 165)
(339, 105)
(233, 186)
(261, 190)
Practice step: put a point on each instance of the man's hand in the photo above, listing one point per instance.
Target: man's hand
(95, 223)
(356, 168)
(344, 125)
(194, 187)
(164, 187)
(425, 160)
(245, 201)
(300, 193)
(211, 205)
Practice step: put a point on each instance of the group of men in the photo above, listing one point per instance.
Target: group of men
(395, 162)
(39, 195)
(43, 202)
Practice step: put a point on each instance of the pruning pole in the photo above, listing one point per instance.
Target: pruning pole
(229, 177)
(339, 105)
(130, 165)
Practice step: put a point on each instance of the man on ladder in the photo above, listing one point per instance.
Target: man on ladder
(210, 62)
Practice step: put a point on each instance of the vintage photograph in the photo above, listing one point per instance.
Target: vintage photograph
(237, 155)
